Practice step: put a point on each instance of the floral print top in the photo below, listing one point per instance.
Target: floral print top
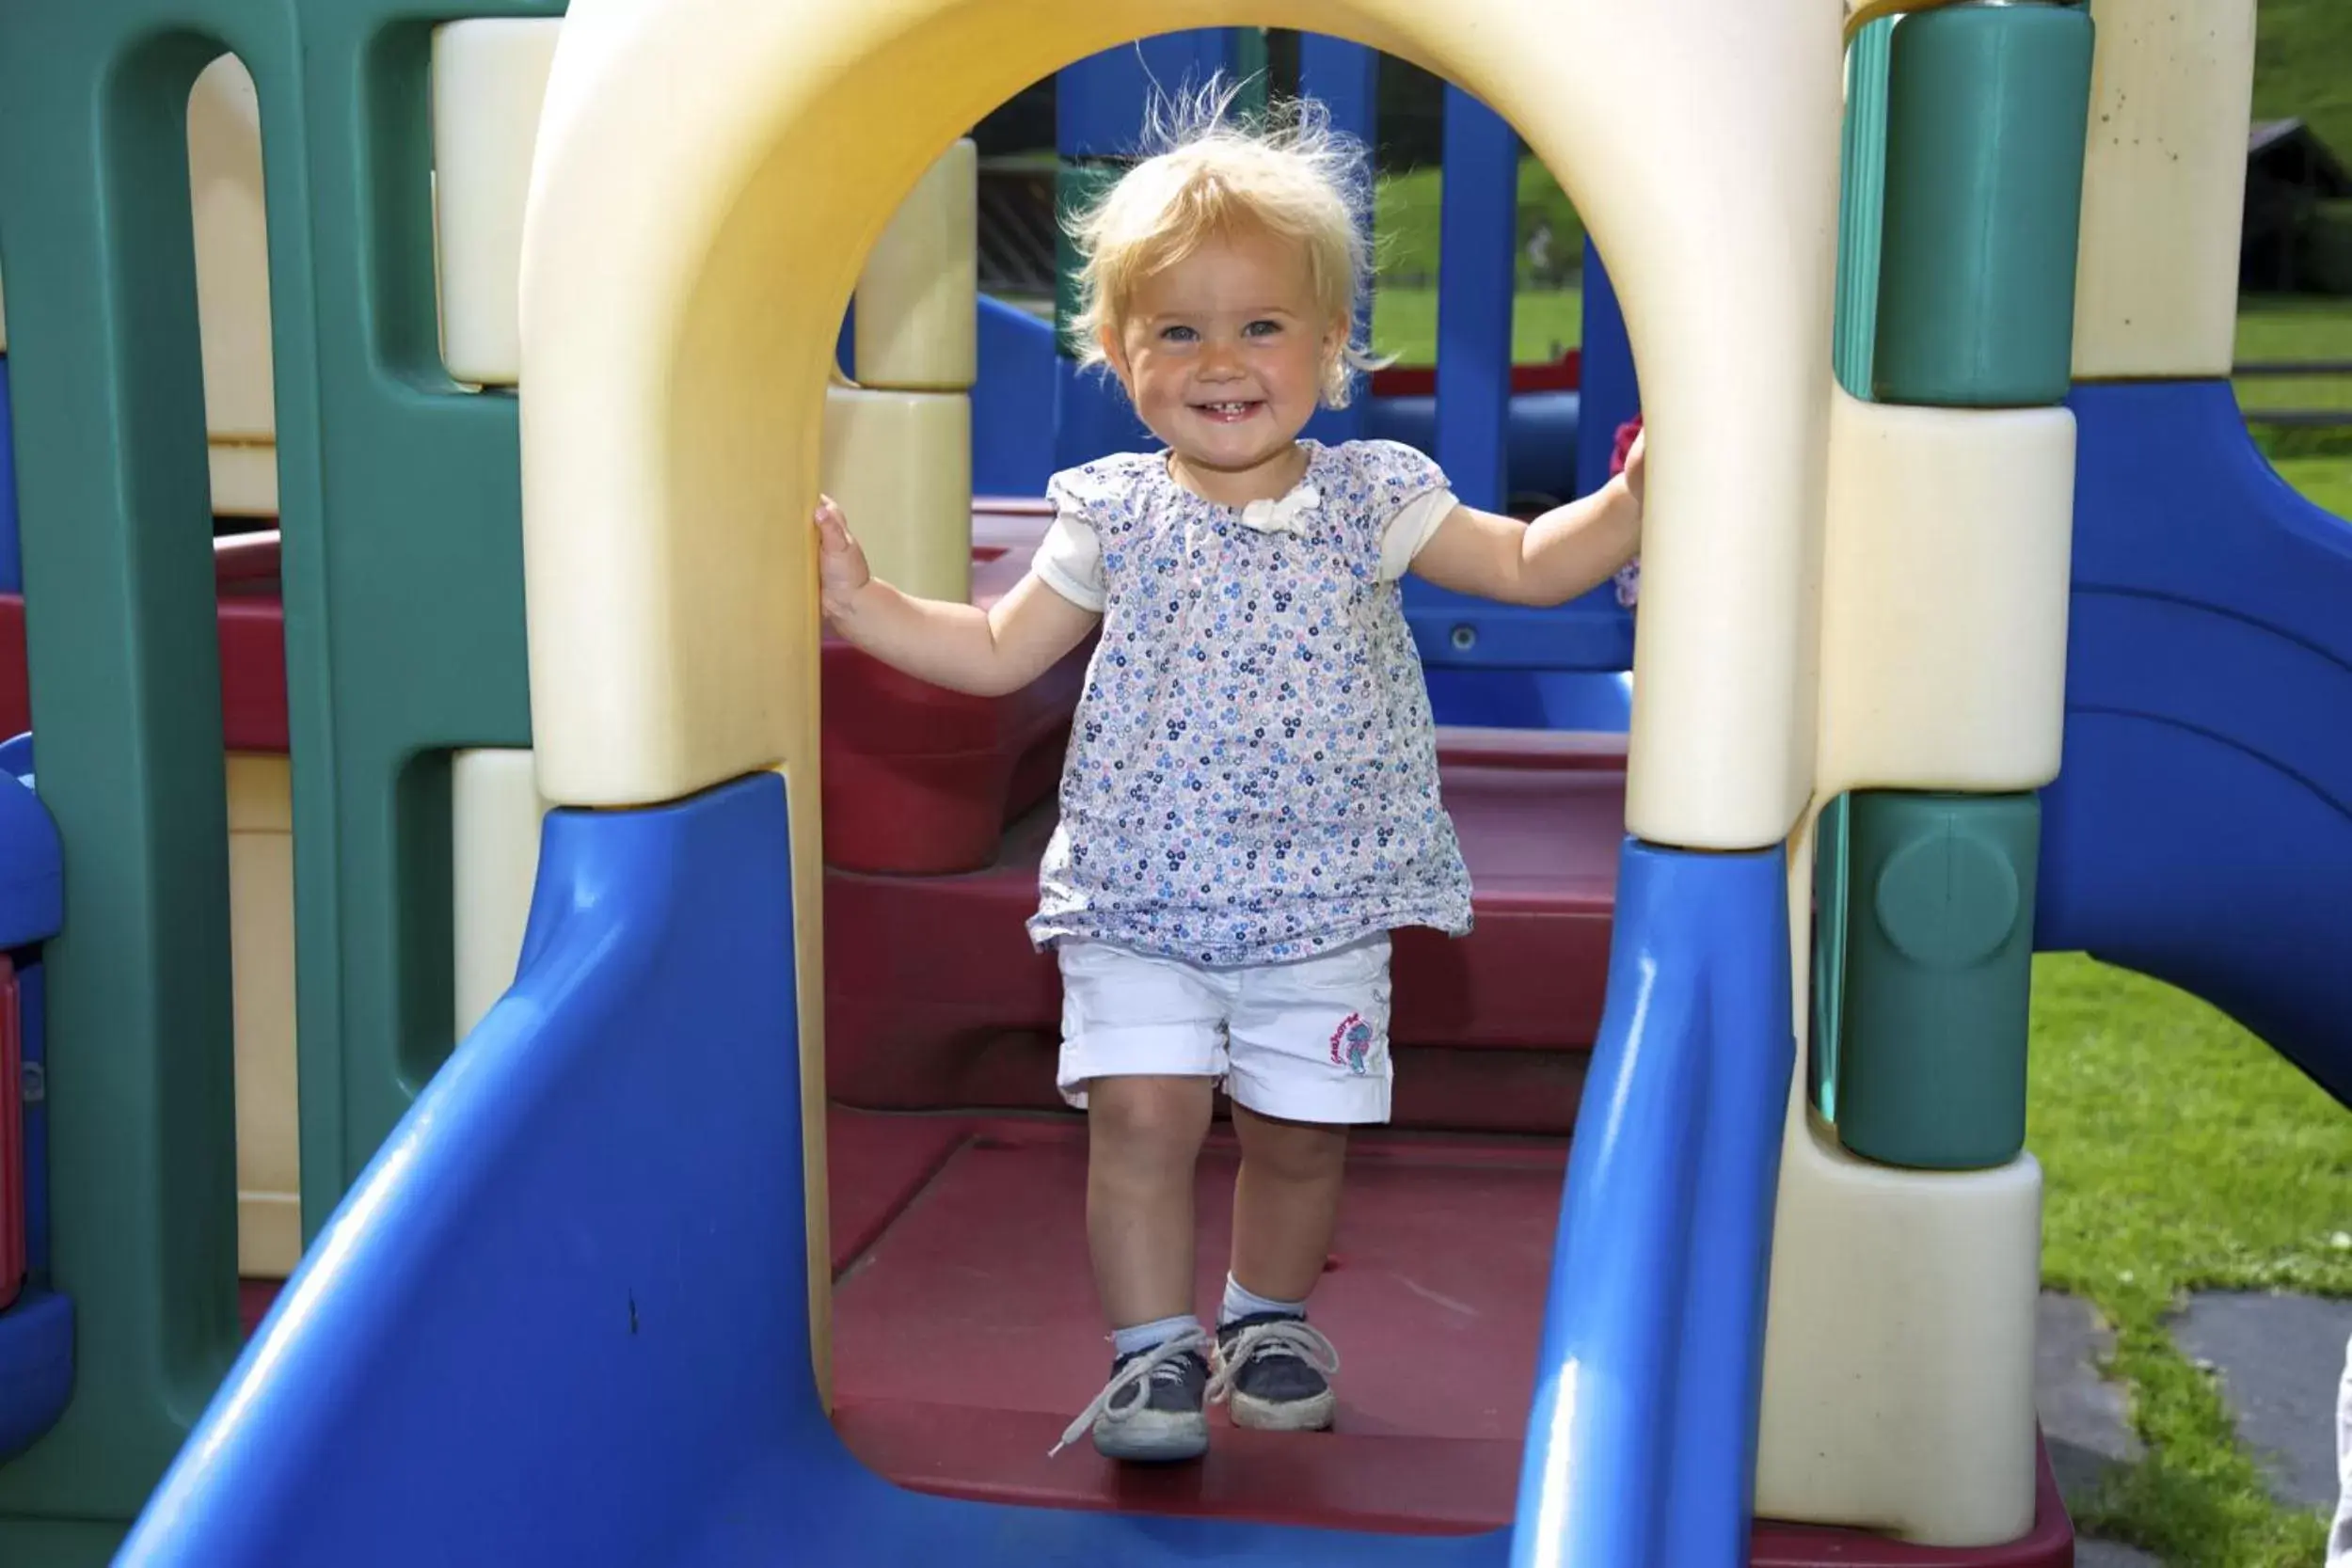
(1252, 773)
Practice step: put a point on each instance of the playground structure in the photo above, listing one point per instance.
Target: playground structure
(1943, 536)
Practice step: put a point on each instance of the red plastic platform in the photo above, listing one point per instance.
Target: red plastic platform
(965, 1337)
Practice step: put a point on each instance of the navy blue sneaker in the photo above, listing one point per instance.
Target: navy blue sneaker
(1275, 1370)
(1154, 1410)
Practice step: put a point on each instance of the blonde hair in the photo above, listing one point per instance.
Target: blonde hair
(1292, 177)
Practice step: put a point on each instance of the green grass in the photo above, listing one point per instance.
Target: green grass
(2181, 1154)
(2303, 67)
(1406, 222)
(2273, 328)
(1543, 325)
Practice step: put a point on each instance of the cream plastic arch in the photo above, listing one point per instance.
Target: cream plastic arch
(675, 371)
(709, 175)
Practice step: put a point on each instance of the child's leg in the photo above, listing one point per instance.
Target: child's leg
(1143, 1134)
(1286, 1202)
(1143, 1042)
(1308, 1058)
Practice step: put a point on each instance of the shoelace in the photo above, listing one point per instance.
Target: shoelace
(1142, 1370)
(1279, 1337)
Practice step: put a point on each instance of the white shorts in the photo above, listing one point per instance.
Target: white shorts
(1305, 1041)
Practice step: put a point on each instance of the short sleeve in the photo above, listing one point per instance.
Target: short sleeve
(1070, 560)
(1407, 495)
(1410, 529)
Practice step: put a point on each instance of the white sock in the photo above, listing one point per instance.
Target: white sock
(1242, 1302)
(1150, 1336)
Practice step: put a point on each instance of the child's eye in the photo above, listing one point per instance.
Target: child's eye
(1262, 329)
(1177, 334)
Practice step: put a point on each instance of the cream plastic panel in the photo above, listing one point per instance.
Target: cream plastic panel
(919, 297)
(245, 480)
(488, 78)
(687, 255)
(900, 464)
(232, 253)
(261, 975)
(1944, 597)
(2164, 182)
(1899, 1347)
(495, 813)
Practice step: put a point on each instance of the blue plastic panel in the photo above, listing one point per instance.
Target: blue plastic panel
(1642, 1440)
(35, 1366)
(2201, 828)
(1478, 237)
(32, 864)
(1612, 393)
(1540, 440)
(1012, 406)
(1098, 100)
(1487, 698)
(1345, 76)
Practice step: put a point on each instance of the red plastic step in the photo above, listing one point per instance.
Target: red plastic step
(252, 648)
(1490, 1030)
(919, 779)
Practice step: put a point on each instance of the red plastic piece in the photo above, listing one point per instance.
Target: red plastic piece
(1564, 374)
(1621, 447)
(934, 997)
(11, 1137)
(252, 648)
(921, 780)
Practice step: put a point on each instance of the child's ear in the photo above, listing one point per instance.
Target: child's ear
(1113, 350)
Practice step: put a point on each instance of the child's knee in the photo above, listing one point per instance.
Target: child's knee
(1153, 1120)
(1291, 1151)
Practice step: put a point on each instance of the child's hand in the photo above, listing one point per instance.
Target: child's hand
(841, 569)
(1637, 464)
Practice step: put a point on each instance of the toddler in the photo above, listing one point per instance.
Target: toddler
(1251, 802)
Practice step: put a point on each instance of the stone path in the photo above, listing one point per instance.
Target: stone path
(2085, 1420)
(2279, 1359)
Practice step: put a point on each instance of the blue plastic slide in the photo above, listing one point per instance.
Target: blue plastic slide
(561, 1318)
(2201, 828)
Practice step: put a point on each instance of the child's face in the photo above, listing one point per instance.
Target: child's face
(1223, 353)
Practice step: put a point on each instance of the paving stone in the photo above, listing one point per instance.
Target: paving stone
(2280, 1361)
(2107, 1554)
(2086, 1421)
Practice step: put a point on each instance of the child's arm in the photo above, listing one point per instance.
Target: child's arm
(1551, 560)
(959, 646)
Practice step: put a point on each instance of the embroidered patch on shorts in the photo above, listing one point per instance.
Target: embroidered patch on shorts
(1351, 1044)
